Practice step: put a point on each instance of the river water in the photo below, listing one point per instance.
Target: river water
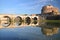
(46, 31)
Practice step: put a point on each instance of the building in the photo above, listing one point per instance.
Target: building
(50, 12)
(49, 9)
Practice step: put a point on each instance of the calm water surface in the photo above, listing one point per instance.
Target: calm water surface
(46, 31)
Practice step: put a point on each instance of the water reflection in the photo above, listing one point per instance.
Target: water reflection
(18, 20)
(49, 28)
(35, 20)
(8, 21)
(42, 31)
(50, 31)
(28, 20)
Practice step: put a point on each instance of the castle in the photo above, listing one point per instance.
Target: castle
(50, 12)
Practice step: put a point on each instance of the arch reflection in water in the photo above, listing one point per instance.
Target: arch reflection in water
(49, 29)
(18, 20)
(35, 20)
(27, 20)
(8, 22)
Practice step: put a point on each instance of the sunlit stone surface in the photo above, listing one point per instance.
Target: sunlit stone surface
(10, 21)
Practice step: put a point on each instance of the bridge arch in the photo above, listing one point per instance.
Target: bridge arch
(35, 18)
(18, 20)
(28, 20)
(8, 21)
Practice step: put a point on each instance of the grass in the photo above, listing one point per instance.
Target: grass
(55, 21)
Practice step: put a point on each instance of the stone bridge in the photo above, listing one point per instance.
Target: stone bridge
(12, 21)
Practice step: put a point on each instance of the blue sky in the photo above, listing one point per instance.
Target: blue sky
(25, 6)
